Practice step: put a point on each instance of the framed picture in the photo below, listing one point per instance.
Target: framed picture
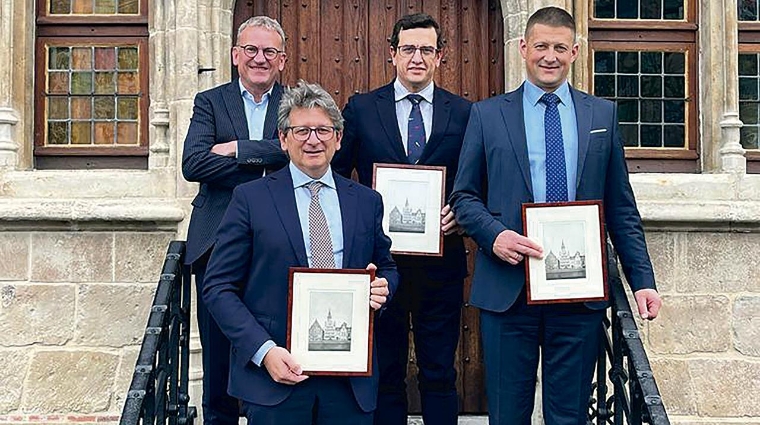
(330, 321)
(574, 267)
(413, 196)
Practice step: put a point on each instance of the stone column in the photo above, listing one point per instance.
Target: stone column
(159, 111)
(8, 116)
(731, 151)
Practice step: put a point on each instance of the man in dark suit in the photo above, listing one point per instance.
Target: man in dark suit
(231, 139)
(273, 224)
(411, 121)
(544, 142)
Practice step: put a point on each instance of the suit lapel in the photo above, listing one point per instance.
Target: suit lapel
(512, 113)
(386, 107)
(441, 114)
(280, 186)
(348, 210)
(270, 121)
(233, 101)
(583, 117)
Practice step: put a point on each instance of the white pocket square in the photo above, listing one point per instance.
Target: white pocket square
(598, 130)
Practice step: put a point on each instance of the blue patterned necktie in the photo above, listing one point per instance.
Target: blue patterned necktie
(415, 141)
(319, 232)
(556, 175)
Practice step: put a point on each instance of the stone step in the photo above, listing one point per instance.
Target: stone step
(463, 420)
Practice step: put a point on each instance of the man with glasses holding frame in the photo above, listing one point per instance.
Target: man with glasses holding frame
(411, 121)
(303, 215)
(232, 139)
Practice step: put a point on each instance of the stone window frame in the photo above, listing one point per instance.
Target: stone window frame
(655, 36)
(91, 30)
(749, 42)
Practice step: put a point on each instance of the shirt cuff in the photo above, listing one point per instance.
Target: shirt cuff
(262, 351)
(237, 142)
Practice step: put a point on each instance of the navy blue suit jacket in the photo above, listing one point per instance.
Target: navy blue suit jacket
(246, 284)
(372, 136)
(219, 117)
(494, 181)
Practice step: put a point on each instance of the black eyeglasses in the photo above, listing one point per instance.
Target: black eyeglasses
(407, 51)
(302, 132)
(251, 51)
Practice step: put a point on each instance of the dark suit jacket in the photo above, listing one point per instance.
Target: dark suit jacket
(372, 136)
(494, 181)
(246, 285)
(219, 117)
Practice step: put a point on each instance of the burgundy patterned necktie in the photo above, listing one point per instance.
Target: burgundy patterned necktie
(319, 232)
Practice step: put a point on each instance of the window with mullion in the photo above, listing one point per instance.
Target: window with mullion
(91, 98)
(643, 57)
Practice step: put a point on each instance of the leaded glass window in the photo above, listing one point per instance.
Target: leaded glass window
(91, 81)
(639, 9)
(644, 58)
(749, 99)
(92, 96)
(650, 91)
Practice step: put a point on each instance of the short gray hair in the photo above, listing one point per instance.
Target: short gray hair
(263, 22)
(306, 96)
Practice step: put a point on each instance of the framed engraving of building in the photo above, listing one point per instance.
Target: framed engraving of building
(574, 266)
(330, 321)
(413, 196)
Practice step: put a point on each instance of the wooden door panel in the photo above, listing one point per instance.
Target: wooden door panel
(344, 46)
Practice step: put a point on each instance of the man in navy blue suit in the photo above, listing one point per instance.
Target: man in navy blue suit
(232, 139)
(272, 224)
(412, 121)
(544, 142)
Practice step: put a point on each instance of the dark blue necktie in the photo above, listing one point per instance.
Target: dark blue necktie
(415, 141)
(556, 176)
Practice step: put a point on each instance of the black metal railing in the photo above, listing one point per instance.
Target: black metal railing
(158, 393)
(635, 399)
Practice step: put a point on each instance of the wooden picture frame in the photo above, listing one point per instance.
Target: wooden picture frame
(330, 326)
(413, 196)
(574, 266)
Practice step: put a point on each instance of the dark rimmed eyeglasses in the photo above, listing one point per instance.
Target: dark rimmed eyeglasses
(302, 132)
(251, 51)
(407, 51)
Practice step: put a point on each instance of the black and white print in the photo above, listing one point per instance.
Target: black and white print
(565, 249)
(407, 206)
(330, 316)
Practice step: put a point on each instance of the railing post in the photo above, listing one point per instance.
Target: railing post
(158, 392)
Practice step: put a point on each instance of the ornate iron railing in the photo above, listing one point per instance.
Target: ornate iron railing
(158, 393)
(635, 399)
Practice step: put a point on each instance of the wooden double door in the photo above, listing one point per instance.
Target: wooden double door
(344, 46)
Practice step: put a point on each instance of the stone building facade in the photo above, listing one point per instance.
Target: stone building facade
(80, 250)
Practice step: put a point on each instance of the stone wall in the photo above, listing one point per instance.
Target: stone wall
(73, 308)
(705, 347)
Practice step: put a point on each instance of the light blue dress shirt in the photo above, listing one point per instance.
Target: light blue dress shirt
(255, 113)
(533, 114)
(404, 108)
(328, 200)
